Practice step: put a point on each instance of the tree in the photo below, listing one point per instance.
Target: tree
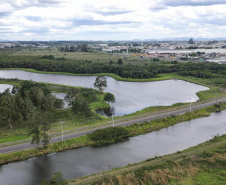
(56, 179)
(109, 98)
(72, 95)
(100, 83)
(8, 109)
(81, 108)
(38, 127)
(66, 49)
(14, 90)
(72, 49)
(84, 48)
(111, 62)
(120, 62)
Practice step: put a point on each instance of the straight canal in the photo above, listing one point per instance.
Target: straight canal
(88, 160)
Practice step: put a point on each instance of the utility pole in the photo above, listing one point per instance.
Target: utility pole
(190, 104)
(62, 132)
(112, 119)
(157, 110)
(216, 98)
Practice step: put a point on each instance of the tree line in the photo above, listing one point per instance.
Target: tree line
(80, 48)
(199, 70)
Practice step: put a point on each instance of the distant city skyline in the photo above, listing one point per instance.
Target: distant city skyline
(111, 20)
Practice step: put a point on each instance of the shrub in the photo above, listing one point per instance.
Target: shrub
(109, 135)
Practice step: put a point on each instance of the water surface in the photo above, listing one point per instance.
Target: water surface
(88, 160)
(130, 96)
(62, 97)
(3, 87)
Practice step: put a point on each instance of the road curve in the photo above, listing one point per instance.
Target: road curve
(81, 131)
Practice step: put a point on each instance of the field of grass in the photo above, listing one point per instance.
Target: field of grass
(8, 139)
(94, 57)
(200, 165)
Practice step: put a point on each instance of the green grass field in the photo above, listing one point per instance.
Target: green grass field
(94, 57)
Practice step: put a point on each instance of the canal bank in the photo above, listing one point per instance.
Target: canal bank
(88, 160)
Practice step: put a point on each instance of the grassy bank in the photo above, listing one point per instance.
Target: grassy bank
(203, 164)
(135, 129)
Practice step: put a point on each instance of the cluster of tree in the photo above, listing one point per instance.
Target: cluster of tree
(81, 67)
(202, 70)
(80, 107)
(29, 105)
(211, 70)
(80, 100)
(109, 135)
(81, 48)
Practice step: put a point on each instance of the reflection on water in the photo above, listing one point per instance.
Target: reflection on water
(107, 112)
(62, 97)
(3, 87)
(88, 160)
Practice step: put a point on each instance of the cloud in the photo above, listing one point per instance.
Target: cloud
(34, 18)
(22, 4)
(5, 9)
(110, 13)
(112, 19)
(49, 1)
(175, 3)
(36, 30)
(81, 22)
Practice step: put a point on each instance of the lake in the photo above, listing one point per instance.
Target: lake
(130, 96)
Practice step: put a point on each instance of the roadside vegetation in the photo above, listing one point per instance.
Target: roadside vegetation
(109, 135)
(115, 134)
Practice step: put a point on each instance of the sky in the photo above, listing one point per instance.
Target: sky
(111, 19)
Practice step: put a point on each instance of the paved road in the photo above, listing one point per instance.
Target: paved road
(81, 131)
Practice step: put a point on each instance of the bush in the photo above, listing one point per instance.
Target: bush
(57, 179)
(109, 135)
